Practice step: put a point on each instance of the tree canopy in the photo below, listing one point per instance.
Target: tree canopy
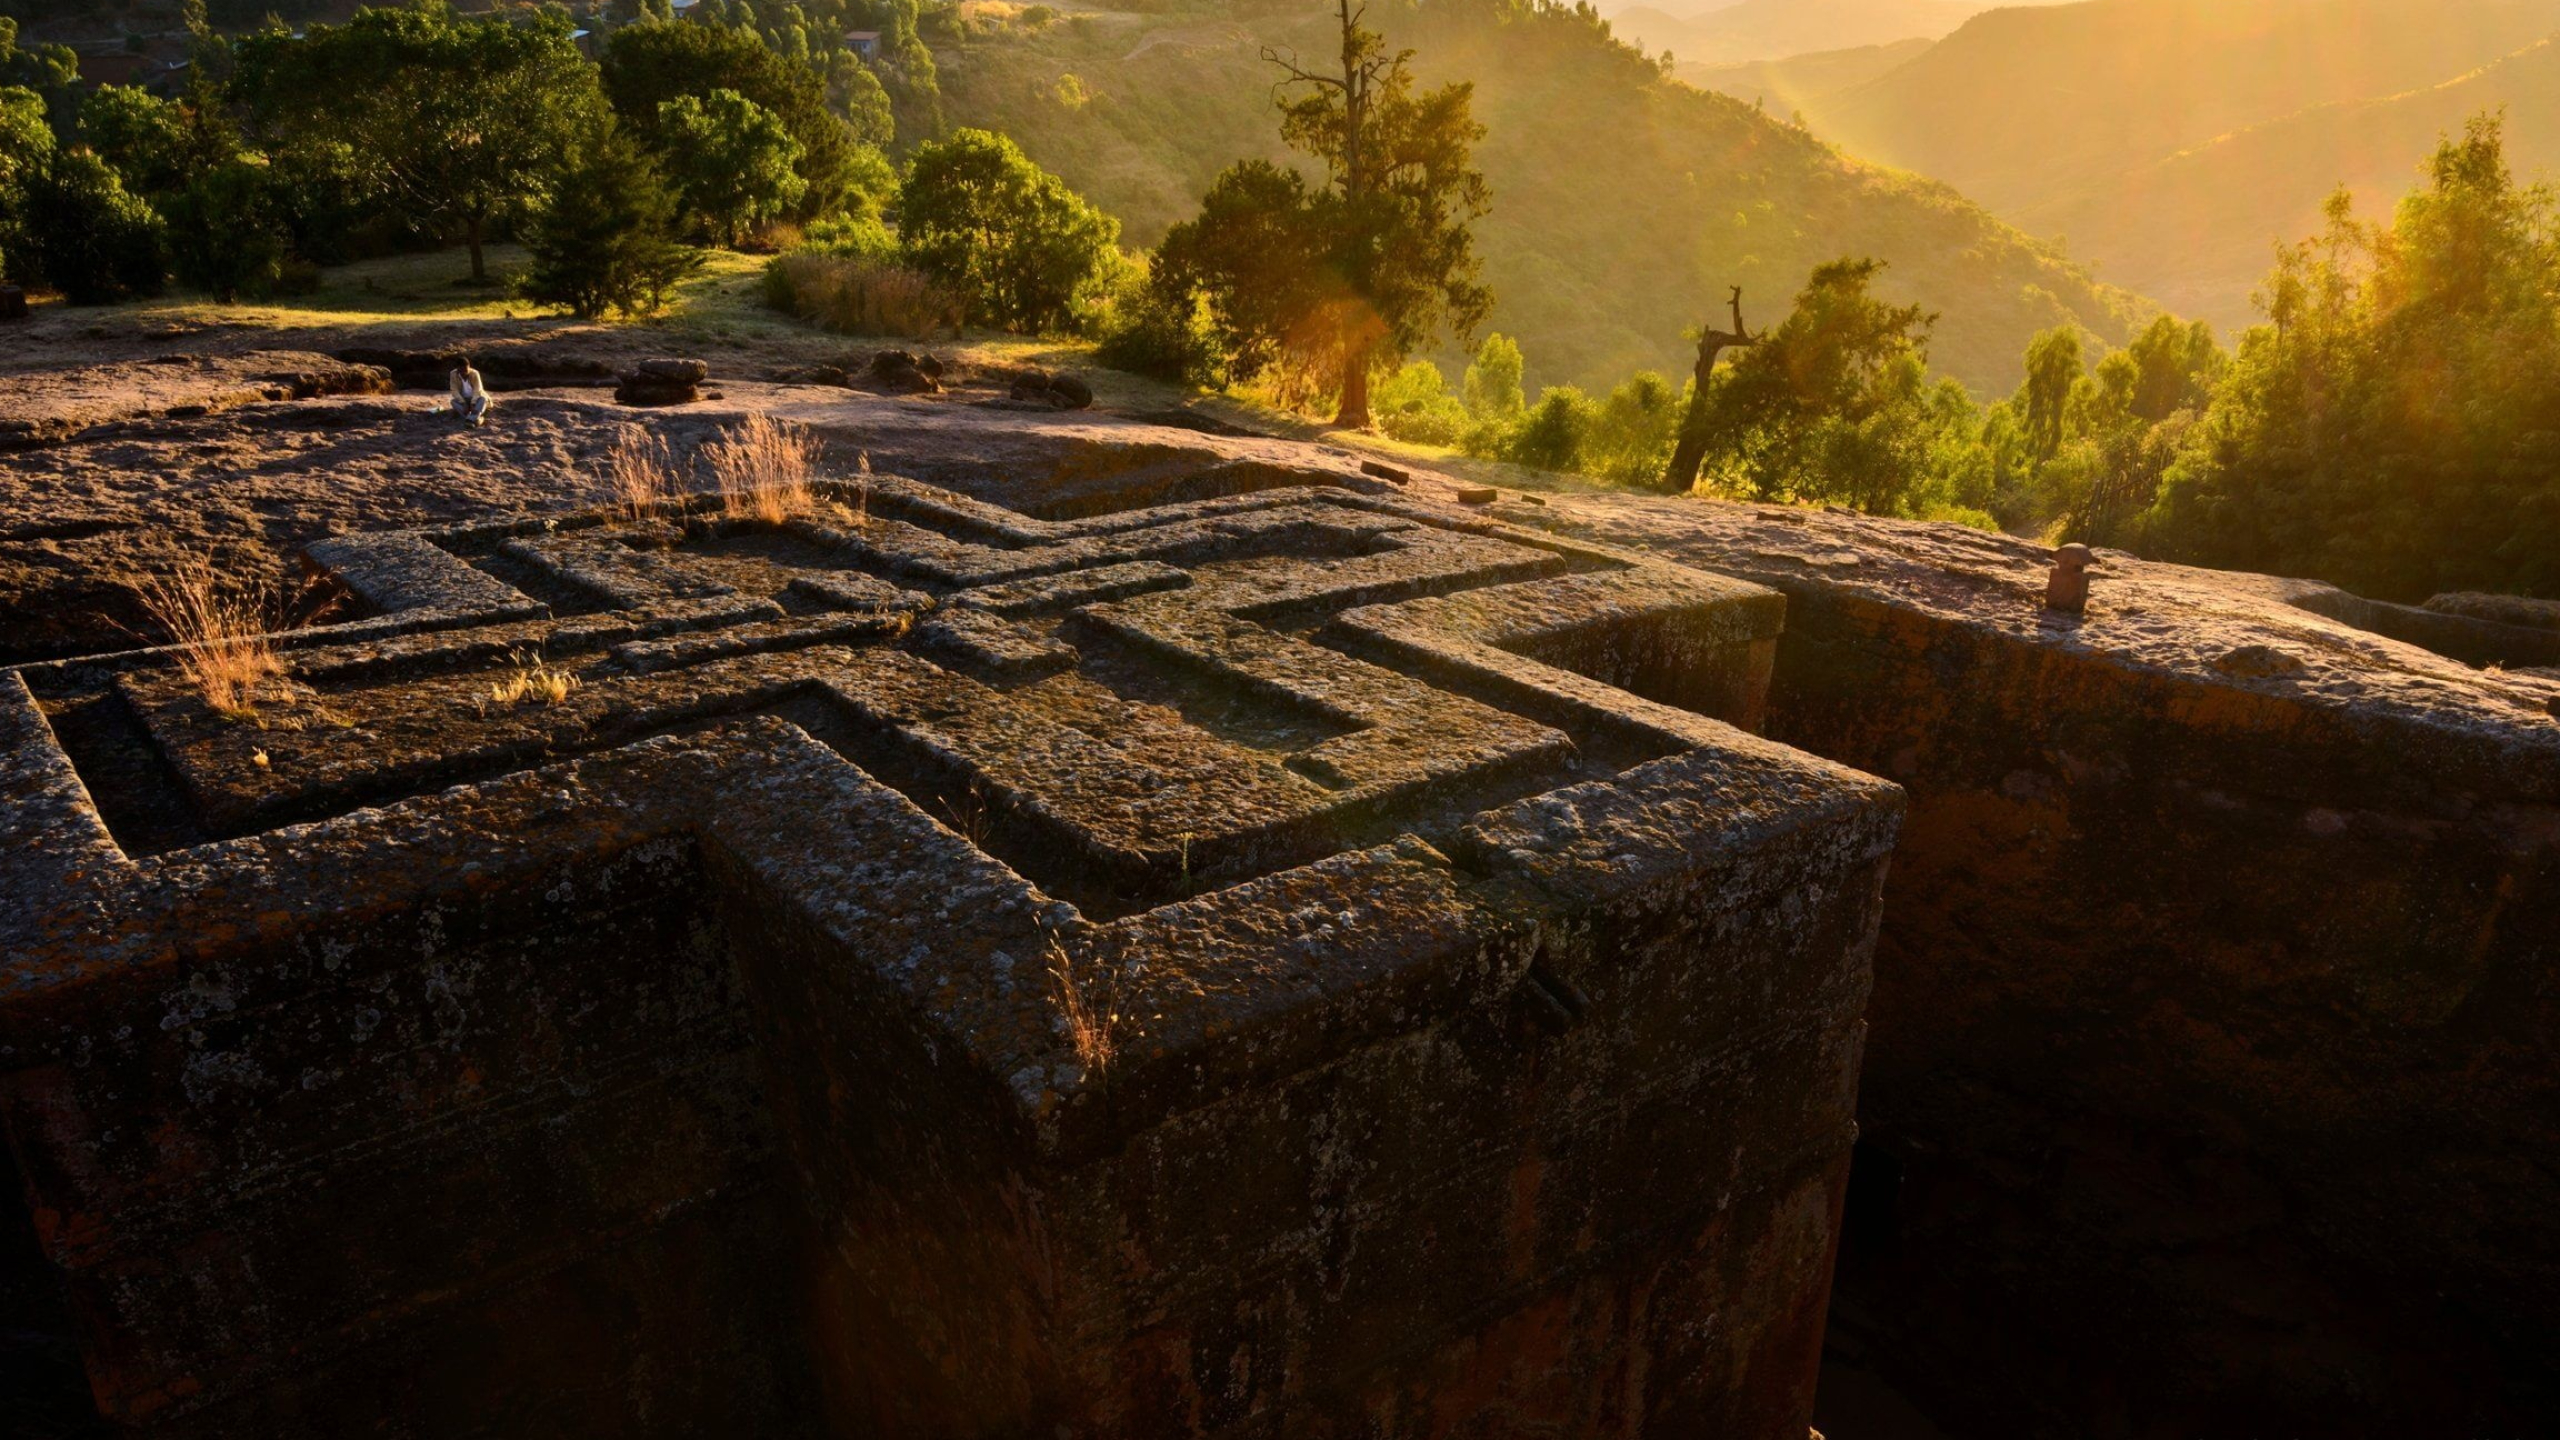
(2396, 427)
(1008, 236)
(605, 241)
(458, 120)
(651, 63)
(1334, 283)
(732, 159)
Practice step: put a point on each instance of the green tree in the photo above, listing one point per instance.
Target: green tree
(858, 96)
(225, 233)
(2395, 428)
(649, 64)
(2056, 364)
(1492, 382)
(143, 137)
(26, 147)
(732, 160)
(1414, 404)
(605, 241)
(1008, 236)
(460, 121)
(1631, 436)
(1254, 256)
(2174, 367)
(1402, 192)
(51, 71)
(1834, 404)
(1551, 436)
(93, 240)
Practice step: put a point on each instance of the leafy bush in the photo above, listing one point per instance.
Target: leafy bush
(224, 234)
(1009, 238)
(1174, 339)
(648, 64)
(1629, 441)
(93, 240)
(1550, 436)
(1414, 405)
(139, 134)
(1493, 380)
(26, 144)
(860, 296)
(860, 237)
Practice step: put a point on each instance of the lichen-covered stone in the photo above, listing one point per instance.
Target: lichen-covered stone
(2210, 1089)
(1287, 963)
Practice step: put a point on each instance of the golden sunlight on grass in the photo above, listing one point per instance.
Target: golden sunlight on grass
(224, 652)
(533, 682)
(1092, 1025)
(641, 472)
(763, 469)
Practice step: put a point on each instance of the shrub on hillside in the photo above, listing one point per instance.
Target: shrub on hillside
(1550, 435)
(1149, 333)
(26, 143)
(861, 237)
(93, 240)
(860, 296)
(732, 159)
(1414, 405)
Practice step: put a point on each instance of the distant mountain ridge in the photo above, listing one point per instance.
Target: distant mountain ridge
(1783, 87)
(2192, 230)
(2172, 141)
(2020, 103)
(1776, 29)
(1623, 204)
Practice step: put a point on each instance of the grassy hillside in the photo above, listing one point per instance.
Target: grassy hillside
(1624, 203)
(2023, 106)
(2193, 231)
(1773, 29)
(1783, 87)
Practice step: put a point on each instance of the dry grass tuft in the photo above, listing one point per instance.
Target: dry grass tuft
(642, 471)
(533, 683)
(1092, 1023)
(226, 651)
(763, 467)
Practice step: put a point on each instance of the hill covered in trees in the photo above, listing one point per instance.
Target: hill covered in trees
(1623, 203)
(2112, 125)
(1774, 29)
(1786, 86)
(2192, 230)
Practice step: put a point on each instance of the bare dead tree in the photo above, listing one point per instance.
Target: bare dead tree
(1692, 449)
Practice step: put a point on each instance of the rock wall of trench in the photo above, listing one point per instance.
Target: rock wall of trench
(2209, 1089)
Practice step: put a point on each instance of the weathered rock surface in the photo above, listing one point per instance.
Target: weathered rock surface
(51, 406)
(1198, 1024)
(507, 368)
(662, 382)
(2208, 1089)
(2500, 609)
(907, 373)
(1056, 391)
